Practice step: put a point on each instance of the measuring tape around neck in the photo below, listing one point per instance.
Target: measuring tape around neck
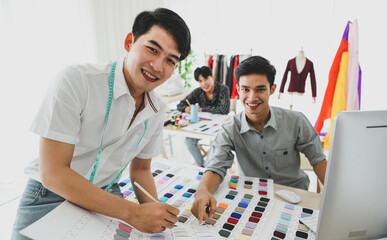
(95, 166)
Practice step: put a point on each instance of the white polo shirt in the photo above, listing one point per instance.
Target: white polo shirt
(73, 111)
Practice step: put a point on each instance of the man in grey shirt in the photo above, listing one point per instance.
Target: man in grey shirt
(267, 140)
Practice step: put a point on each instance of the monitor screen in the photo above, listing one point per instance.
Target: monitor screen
(354, 201)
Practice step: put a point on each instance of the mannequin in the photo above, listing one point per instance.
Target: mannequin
(299, 68)
(300, 61)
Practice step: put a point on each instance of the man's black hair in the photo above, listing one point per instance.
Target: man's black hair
(168, 20)
(256, 64)
(204, 71)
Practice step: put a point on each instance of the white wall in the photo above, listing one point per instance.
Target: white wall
(37, 39)
(46, 35)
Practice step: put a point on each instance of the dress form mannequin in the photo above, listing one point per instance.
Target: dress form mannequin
(300, 63)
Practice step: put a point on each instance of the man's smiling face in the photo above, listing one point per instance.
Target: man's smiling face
(151, 59)
(254, 93)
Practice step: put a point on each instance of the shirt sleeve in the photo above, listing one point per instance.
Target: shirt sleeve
(285, 77)
(222, 157)
(59, 117)
(222, 105)
(182, 105)
(313, 80)
(309, 141)
(191, 97)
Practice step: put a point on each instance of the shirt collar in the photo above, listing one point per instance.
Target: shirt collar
(152, 106)
(120, 87)
(245, 126)
(273, 119)
(152, 101)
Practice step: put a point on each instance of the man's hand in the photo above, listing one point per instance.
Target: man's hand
(188, 109)
(204, 206)
(154, 217)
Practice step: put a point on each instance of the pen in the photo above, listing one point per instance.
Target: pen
(188, 102)
(146, 193)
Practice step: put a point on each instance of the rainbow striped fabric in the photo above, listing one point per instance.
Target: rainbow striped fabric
(344, 85)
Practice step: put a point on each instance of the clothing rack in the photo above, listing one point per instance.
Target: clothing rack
(229, 52)
(223, 67)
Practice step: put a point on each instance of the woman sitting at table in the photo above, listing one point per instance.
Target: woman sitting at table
(211, 97)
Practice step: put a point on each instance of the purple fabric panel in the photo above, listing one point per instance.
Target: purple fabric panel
(359, 86)
(345, 35)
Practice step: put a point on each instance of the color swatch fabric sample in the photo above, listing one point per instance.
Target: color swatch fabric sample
(244, 211)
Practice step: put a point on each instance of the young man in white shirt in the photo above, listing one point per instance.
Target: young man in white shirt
(95, 119)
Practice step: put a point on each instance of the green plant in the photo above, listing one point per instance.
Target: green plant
(185, 68)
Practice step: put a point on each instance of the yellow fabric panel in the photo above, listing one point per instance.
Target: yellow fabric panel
(339, 102)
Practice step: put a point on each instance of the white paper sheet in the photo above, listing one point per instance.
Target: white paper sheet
(69, 221)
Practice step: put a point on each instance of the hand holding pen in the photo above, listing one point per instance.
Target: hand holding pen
(173, 212)
(188, 108)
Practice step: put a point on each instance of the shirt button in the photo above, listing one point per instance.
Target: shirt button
(267, 168)
(264, 153)
(261, 136)
(269, 176)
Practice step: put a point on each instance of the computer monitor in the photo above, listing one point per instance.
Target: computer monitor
(354, 201)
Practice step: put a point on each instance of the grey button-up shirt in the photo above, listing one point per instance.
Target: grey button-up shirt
(273, 153)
